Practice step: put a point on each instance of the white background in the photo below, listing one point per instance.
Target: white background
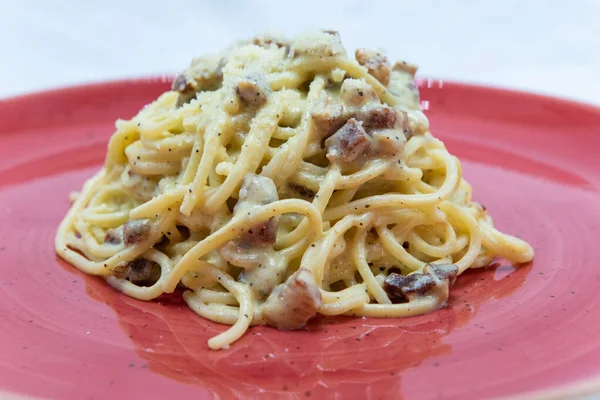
(543, 46)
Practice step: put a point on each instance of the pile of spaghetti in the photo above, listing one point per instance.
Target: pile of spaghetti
(280, 180)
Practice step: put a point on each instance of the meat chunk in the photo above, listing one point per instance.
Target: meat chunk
(181, 83)
(402, 289)
(383, 117)
(328, 116)
(406, 67)
(114, 236)
(136, 230)
(261, 234)
(140, 271)
(357, 92)
(253, 90)
(348, 143)
(403, 86)
(294, 302)
(257, 191)
(131, 232)
(205, 73)
(184, 86)
(387, 142)
(376, 63)
(249, 251)
(388, 127)
(447, 272)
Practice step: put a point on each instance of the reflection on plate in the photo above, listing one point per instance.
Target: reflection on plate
(506, 330)
(355, 357)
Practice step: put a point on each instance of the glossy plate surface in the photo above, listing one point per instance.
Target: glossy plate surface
(532, 160)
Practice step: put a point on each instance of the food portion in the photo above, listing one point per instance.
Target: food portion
(279, 180)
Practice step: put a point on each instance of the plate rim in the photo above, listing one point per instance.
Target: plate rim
(168, 78)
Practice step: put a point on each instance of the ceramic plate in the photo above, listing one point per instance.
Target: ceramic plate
(532, 161)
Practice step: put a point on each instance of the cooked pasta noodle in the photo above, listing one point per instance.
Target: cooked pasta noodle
(279, 180)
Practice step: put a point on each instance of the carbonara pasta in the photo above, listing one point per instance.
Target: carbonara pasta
(280, 180)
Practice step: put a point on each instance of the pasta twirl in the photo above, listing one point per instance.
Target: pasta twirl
(279, 180)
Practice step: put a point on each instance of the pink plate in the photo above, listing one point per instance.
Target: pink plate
(532, 160)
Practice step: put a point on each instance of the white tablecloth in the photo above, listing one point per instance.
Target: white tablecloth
(544, 46)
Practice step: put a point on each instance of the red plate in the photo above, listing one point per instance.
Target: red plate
(533, 161)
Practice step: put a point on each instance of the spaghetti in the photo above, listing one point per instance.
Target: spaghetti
(279, 180)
